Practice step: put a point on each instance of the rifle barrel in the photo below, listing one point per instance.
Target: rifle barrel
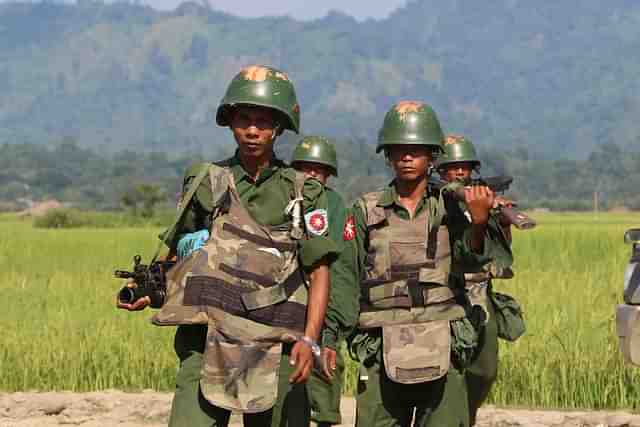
(519, 219)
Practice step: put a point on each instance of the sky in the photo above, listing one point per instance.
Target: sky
(299, 9)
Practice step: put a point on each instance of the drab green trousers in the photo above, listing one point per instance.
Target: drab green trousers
(384, 403)
(483, 370)
(191, 409)
(325, 397)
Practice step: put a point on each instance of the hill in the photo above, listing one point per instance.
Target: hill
(557, 77)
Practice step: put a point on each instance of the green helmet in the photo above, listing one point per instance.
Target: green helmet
(264, 87)
(410, 123)
(316, 149)
(458, 149)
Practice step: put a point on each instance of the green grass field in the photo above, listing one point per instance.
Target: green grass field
(60, 330)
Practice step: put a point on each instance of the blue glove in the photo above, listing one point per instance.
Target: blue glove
(191, 242)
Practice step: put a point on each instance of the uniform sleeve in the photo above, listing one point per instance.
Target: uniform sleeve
(318, 245)
(196, 214)
(342, 311)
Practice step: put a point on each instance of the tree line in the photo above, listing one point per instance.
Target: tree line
(139, 181)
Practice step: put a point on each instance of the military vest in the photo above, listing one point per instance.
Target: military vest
(246, 284)
(407, 266)
(405, 289)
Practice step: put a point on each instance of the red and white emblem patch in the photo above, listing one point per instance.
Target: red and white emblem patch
(317, 221)
(349, 232)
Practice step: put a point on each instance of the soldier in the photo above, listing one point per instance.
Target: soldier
(316, 157)
(415, 332)
(457, 163)
(247, 321)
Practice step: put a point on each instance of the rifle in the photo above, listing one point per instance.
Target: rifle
(150, 281)
(498, 184)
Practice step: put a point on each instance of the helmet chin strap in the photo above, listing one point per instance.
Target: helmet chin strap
(276, 130)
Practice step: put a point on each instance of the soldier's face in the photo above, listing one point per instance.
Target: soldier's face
(457, 172)
(314, 170)
(410, 162)
(254, 129)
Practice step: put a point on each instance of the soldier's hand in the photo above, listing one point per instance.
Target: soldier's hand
(479, 200)
(328, 362)
(302, 358)
(138, 305)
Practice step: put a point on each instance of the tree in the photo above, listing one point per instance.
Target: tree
(143, 199)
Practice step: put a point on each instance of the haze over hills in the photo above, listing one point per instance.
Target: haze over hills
(558, 77)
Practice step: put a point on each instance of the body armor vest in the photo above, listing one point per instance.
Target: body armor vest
(407, 267)
(245, 269)
(245, 283)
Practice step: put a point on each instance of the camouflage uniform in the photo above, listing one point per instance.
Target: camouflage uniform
(342, 311)
(261, 202)
(414, 335)
(483, 370)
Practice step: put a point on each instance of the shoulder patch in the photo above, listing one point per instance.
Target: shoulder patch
(317, 222)
(349, 231)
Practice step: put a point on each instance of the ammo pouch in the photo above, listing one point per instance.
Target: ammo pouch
(423, 352)
(416, 353)
(241, 363)
(628, 330)
(509, 318)
(465, 340)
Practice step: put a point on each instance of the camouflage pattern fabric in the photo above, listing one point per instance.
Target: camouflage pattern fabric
(416, 353)
(246, 283)
(478, 295)
(245, 262)
(190, 408)
(407, 267)
(240, 374)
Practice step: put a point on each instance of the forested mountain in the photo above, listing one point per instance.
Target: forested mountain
(557, 77)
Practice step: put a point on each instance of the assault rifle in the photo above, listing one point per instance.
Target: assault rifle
(150, 281)
(498, 184)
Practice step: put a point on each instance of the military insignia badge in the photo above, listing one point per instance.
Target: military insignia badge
(349, 231)
(317, 222)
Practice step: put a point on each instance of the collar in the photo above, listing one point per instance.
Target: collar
(240, 174)
(389, 196)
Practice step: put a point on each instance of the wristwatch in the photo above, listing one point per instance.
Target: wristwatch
(315, 348)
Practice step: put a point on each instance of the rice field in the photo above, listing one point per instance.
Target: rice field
(60, 330)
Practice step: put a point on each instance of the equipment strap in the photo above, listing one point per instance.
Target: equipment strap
(258, 240)
(215, 292)
(183, 207)
(417, 295)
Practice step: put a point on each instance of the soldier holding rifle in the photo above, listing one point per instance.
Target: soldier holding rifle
(503, 316)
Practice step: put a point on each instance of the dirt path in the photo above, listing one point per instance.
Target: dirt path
(151, 409)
